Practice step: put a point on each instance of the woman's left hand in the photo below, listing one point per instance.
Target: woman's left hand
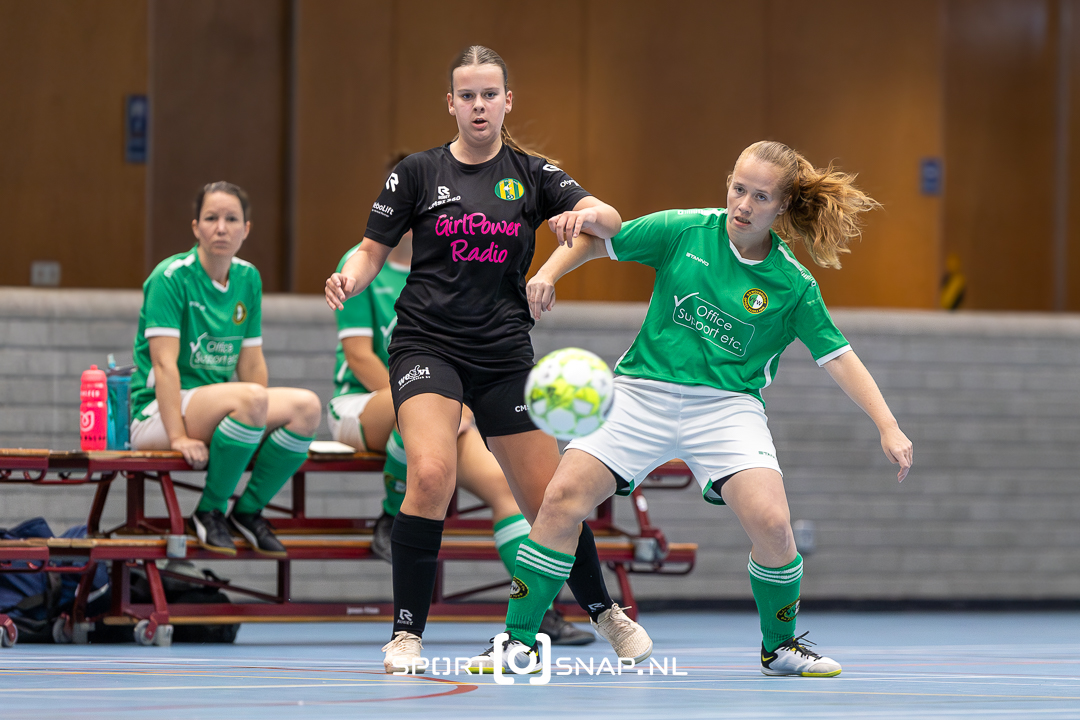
(899, 450)
(568, 225)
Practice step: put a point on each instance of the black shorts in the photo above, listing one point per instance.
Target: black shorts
(495, 392)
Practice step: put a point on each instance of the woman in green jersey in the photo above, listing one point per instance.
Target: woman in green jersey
(201, 321)
(729, 297)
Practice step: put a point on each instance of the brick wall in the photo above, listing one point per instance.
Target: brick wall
(991, 401)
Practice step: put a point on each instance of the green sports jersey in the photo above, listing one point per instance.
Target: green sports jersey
(369, 314)
(213, 322)
(716, 319)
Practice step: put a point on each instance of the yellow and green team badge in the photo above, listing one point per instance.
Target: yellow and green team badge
(518, 589)
(788, 612)
(239, 313)
(509, 189)
(755, 300)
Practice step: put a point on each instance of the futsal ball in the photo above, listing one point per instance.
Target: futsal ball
(569, 393)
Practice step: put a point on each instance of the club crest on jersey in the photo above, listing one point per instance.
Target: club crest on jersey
(518, 589)
(788, 612)
(239, 313)
(509, 189)
(755, 300)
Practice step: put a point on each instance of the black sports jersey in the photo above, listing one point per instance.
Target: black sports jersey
(474, 229)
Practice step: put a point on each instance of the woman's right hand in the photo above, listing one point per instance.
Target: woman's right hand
(540, 293)
(194, 451)
(338, 289)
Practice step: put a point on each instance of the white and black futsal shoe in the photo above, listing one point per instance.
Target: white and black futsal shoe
(795, 658)
(526, 659)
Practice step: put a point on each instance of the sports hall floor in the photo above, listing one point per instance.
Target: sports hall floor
(906, 665)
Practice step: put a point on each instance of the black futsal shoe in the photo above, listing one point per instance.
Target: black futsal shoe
(561, 632)
(256, 530)
(213, 532)
(380, 536)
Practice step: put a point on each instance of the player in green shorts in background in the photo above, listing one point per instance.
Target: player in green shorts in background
(361, 414)
(201, 322)
(729, 296)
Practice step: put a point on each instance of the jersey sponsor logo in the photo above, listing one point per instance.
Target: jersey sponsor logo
(692, 256)
(214, 353)
(521, 408)
(712, 324)
(788, 612)
(196, 303)
(392, 182)
(568, 181)
(474, 224)
(387, 331)
(552, 168)
(384, 210)
(701, 211)
(239, 313)
(509, 189)
(518, 589)
(444, 197)
(490, 254)
(755, 300)
(417, 373)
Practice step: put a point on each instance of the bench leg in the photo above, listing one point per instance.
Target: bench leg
(284, 581)
(101, 494)
(157, 630)
(625, 591)
(176, 519)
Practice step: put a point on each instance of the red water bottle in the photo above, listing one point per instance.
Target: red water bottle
(93, 413)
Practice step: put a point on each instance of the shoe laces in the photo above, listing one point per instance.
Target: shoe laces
(618, 621)
(799, 645)
(404, 642)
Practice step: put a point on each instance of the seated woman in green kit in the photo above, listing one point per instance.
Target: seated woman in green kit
(201, 321)
(361, 414)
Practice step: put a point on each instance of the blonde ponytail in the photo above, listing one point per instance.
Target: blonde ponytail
(824, 205)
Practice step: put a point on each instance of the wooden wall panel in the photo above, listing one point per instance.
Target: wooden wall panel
(219, 73)
(859, 83)
(1071, 20)
(1000, 112)
(344, 128)
(66, 193)
(666, 117)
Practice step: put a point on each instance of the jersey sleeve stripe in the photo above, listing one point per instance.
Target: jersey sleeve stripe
(833, 355)
(161, 332)
(610, 249)
(355, 332)
(251, 342)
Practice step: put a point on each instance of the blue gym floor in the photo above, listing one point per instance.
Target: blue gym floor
(917, 665)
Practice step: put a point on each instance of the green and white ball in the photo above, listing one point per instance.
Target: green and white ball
(569, 393)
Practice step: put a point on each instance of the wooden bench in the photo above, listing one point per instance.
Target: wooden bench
(141, 540)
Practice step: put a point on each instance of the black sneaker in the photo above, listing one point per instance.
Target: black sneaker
(562, 632)
(213, 532)
(380, 536)
(256, 530)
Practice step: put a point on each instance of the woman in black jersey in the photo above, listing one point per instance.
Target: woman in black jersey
(463, 333)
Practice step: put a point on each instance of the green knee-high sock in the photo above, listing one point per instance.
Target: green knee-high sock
(538, 576)
(509, 534)
(394, 474)
(776, 592)
(279, 458)
(231, 447)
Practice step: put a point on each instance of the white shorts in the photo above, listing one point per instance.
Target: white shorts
(716, 433)
(343, 416)
(149, 433)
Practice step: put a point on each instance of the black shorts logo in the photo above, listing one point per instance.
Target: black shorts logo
(518, 589)
(788, 612)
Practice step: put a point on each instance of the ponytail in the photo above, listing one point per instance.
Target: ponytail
(824, 205)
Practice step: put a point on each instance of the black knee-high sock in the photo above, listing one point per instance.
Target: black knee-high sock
(414, 543)
(586, 577)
